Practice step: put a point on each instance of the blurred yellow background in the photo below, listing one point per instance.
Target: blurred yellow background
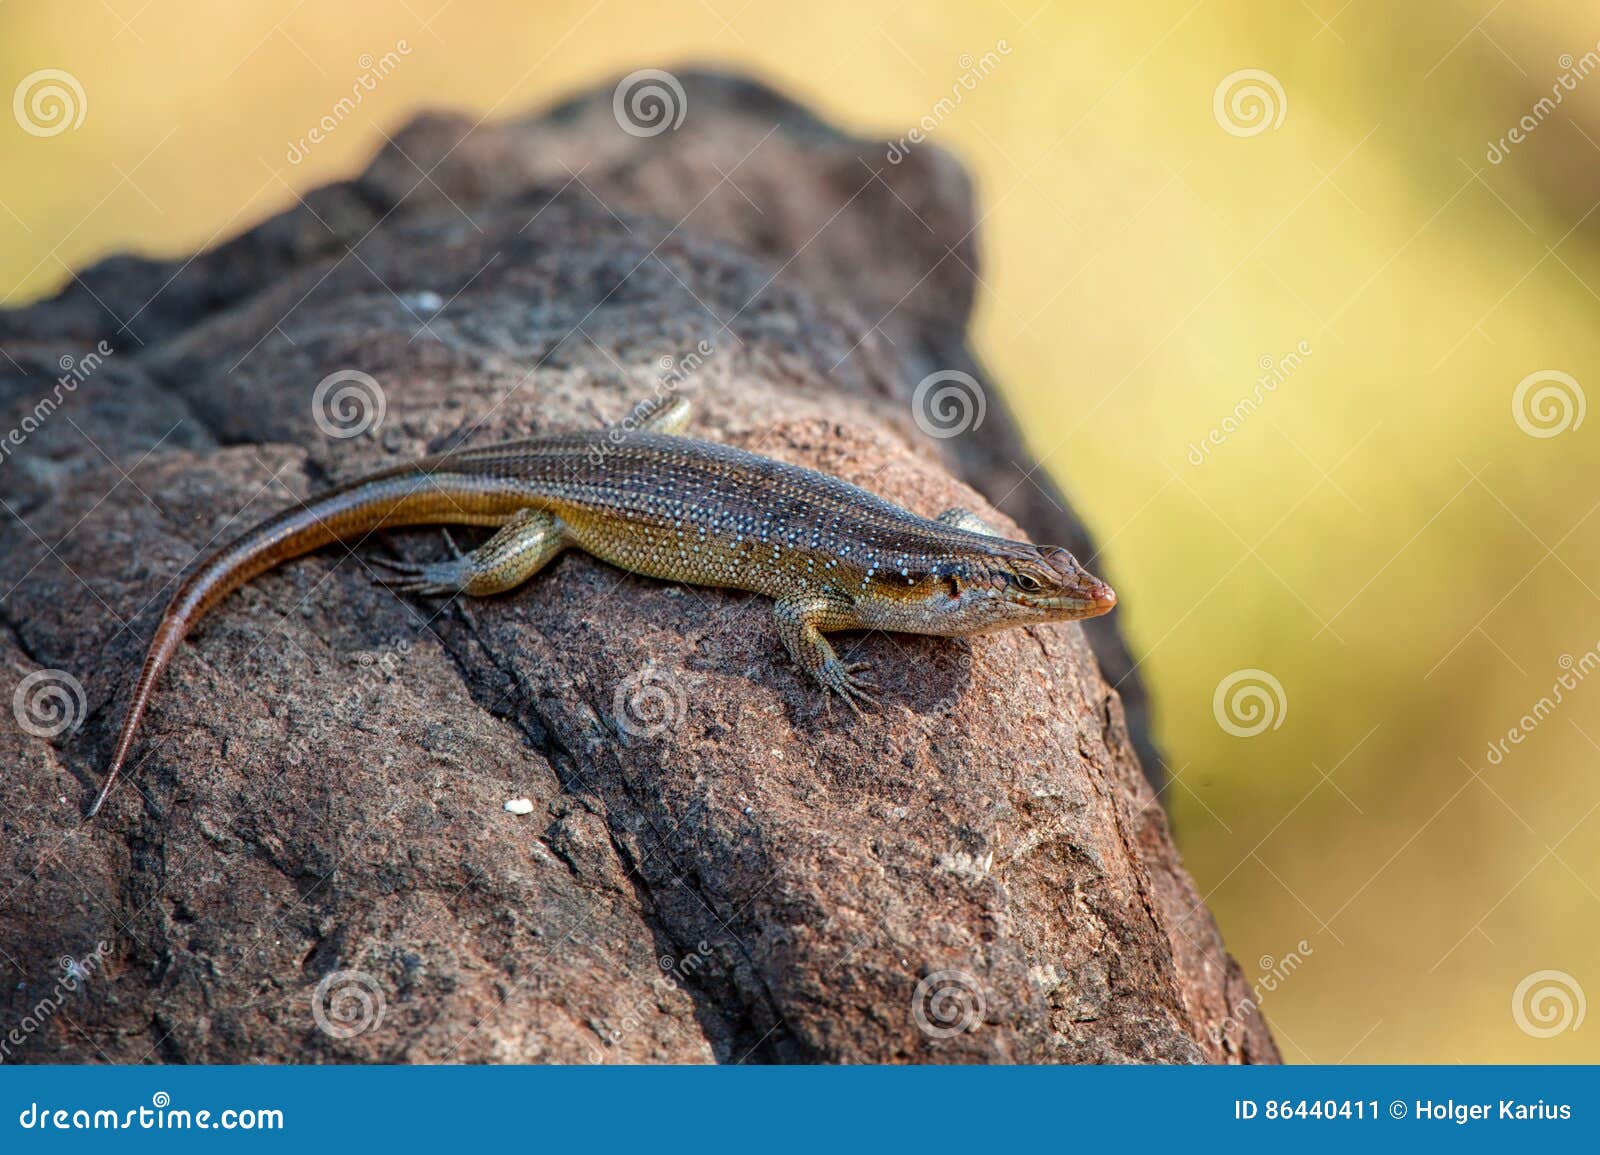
(1376, 532)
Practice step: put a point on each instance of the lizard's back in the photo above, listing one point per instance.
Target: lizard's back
(700, 512)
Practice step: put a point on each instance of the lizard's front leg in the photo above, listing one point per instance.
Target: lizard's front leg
(801, 621)
(519, 549)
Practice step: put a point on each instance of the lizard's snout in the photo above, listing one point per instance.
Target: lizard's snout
(1082, 586)
(1094, 596)
(1100, 595)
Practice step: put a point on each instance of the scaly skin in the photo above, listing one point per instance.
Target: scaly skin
(831, 556)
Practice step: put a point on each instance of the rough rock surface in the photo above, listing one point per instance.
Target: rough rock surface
(310, 859)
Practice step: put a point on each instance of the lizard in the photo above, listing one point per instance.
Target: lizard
(644, 497)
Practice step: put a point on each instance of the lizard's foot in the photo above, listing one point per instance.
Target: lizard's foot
(798, 620)
(432, 578)
(838, 678)
(518, 550)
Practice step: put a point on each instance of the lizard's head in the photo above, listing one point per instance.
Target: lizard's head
(1051, 585)
(1021, 585)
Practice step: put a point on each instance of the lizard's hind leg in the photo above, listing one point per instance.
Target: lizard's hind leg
(517, 551)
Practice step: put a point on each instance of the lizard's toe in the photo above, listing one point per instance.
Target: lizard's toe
(411, 586)
(863, 688)
(864, 693)
(401, 567)
(855, 692)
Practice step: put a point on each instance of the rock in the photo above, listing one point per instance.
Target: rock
(310, 858)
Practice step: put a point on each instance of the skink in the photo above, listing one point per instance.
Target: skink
(642, 497)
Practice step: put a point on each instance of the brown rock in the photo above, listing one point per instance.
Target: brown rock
(313, 830)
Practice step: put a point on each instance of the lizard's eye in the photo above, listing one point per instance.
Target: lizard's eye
(1028, 583)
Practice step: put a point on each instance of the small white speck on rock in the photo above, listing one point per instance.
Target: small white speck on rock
(519, 806)
(425, 301)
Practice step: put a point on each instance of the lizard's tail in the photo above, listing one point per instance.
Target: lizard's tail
(411, 498)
